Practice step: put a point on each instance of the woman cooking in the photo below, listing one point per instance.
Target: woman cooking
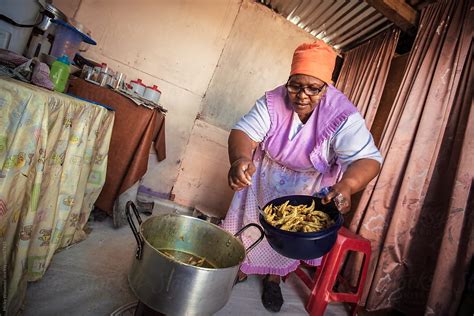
(297, 139)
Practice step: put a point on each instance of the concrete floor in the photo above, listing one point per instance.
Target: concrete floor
(90, 278)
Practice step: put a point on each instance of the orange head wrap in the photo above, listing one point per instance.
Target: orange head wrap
(314, 59)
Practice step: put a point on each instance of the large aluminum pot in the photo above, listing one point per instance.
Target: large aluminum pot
(175, 288)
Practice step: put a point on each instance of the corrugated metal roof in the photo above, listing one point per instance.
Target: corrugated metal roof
(342, 24)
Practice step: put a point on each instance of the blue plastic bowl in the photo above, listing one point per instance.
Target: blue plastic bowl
(299, 245)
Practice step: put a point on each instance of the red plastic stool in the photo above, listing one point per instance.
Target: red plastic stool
(327, 273)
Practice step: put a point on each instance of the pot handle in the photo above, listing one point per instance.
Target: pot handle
(262, 234)
(138, 237)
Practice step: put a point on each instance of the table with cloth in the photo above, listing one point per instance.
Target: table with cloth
(136, 130)
(53, 160)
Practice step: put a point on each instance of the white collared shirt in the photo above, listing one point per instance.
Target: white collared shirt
(351, 141)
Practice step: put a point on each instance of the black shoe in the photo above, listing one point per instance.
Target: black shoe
(272, 298)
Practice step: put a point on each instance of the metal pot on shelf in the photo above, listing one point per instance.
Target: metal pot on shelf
(167, 283)
(50, 12)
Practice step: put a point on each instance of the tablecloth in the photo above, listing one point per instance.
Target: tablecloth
(53, 160)
(136, 129)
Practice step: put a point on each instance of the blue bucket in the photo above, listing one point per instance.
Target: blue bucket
(299, 245)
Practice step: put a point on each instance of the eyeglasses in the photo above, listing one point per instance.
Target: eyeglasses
(308, 90)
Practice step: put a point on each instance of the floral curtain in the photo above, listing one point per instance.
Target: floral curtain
(364, 72)
(53, 160)
(418, 213)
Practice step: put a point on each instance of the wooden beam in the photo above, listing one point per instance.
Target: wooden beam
(397, 11)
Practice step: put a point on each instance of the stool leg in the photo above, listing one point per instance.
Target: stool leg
(305, 278)
(365, 268)
(355, 309)
(319, 297)
(319, 269)
(318, 306)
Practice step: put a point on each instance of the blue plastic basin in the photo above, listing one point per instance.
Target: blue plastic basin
(299, 245)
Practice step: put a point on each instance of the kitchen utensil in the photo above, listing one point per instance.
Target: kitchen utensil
(87, 72)
(138, 86)
(117, 80)
(49, 60)
(299, 245)
(39, 44)
(59, 73)
(83, 47)
(256, 201)
(67, 40)
(152, 93)
(176, 288)
(105, 77)
(96, 73)
(50, 12)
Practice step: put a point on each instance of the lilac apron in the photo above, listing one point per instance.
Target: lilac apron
(287, 167)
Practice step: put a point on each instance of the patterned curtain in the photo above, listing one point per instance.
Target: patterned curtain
(418, 213)
(364, 72)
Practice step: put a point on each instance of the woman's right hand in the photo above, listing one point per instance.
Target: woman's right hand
(240, 174)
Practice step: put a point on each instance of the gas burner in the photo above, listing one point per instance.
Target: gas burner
(135, 309)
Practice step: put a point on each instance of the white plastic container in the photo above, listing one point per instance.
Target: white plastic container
(26, 12)
(138, 87)
(39, 44)
(152, 93)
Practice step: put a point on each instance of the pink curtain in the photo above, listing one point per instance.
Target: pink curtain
(418, 213)
(364, 72)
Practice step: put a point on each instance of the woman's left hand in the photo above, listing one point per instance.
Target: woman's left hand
(356, 177)
(341, 194)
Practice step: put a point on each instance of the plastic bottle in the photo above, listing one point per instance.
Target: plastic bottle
(59, 73)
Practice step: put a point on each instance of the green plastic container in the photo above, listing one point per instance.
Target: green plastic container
(59, 73)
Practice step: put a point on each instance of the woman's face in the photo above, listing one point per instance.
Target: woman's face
(305, 92)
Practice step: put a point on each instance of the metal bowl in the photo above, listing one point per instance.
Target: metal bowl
(299, 245)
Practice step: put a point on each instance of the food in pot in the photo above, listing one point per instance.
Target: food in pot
(187, 258)
(299, 218)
